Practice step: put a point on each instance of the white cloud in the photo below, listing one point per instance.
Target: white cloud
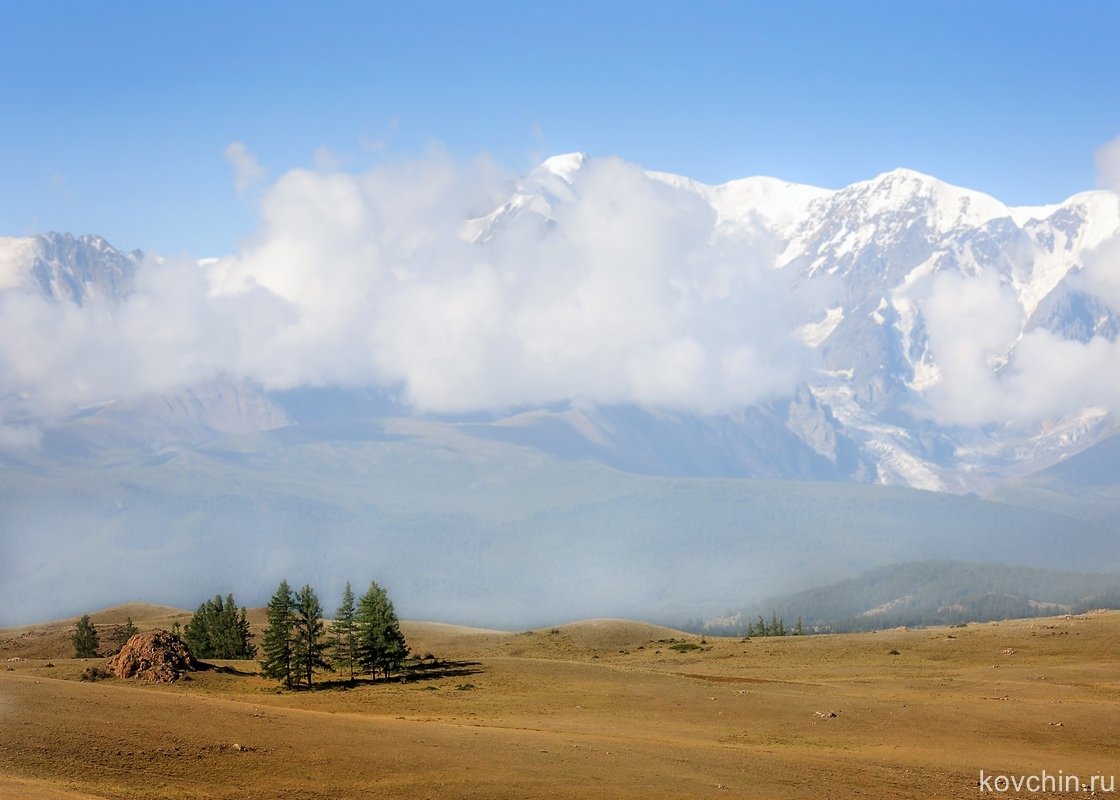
(625, 300)
(360, 279)
(993, 374)
(630, 294)
(1107, 159)
(247, 171)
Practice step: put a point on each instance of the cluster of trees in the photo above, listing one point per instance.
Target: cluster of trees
(776, 627)
(87, 640)
(364, 637)
(219, 630)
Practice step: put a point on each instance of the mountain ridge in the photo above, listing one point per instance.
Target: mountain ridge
(868, 258)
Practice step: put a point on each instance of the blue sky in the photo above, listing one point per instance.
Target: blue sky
(114, 116)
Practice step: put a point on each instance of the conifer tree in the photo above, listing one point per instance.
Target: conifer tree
(278, 641)
(84, 638)
(218, 630)
(344, 633)
(309, 643)
(777, 625)
(381, 645)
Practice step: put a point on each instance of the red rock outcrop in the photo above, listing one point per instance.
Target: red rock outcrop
(154, 656)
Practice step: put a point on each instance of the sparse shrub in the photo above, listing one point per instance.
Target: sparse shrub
(893, 653)
(95, 674)
(684, 647)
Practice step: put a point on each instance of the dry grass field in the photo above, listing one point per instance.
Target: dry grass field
(603, 708)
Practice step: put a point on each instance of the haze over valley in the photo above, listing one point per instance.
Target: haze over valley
(591, 389)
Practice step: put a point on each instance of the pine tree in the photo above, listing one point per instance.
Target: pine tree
(309, 645)
(217, 630)
(344, 633)
(381, 644)
(797, 629)
(278, 641)
(777, 625)
(246, 648)
(85, 638)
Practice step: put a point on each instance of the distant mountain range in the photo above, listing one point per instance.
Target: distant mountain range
(929, 593)
(877, 245)
(651, 493)
(860, 416)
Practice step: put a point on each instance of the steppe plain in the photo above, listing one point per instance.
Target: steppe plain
(600, 708)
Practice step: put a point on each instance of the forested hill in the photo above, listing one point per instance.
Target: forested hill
(932, 593)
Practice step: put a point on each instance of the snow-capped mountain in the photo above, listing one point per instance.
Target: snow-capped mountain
(879, 244)
(866, 258)
(79, 270)
(89, 273)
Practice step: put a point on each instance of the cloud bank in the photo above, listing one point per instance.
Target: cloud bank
(992, 372)
(629, 296)
(625, 290)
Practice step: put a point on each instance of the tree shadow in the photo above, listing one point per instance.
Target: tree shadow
(436, 670)
(204, 666)
(421, 672)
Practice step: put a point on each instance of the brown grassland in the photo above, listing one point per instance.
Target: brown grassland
(603, 708)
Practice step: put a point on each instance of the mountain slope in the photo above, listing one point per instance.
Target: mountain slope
(876, 251)
(1085, 486)
(475, 532)
(60, 267)
(864, 265)
(935, 593)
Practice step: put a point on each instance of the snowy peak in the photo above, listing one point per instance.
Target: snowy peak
(64, 268)
(562, 166)
(944, 207)
(537, 194)
(779, 204)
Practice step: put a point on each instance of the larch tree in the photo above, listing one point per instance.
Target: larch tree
(278, 641)
(344, 634)
(85, 638)
(219, 630)
(381, 645)
(310, 644)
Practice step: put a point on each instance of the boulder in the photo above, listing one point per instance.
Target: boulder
(153, 656)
